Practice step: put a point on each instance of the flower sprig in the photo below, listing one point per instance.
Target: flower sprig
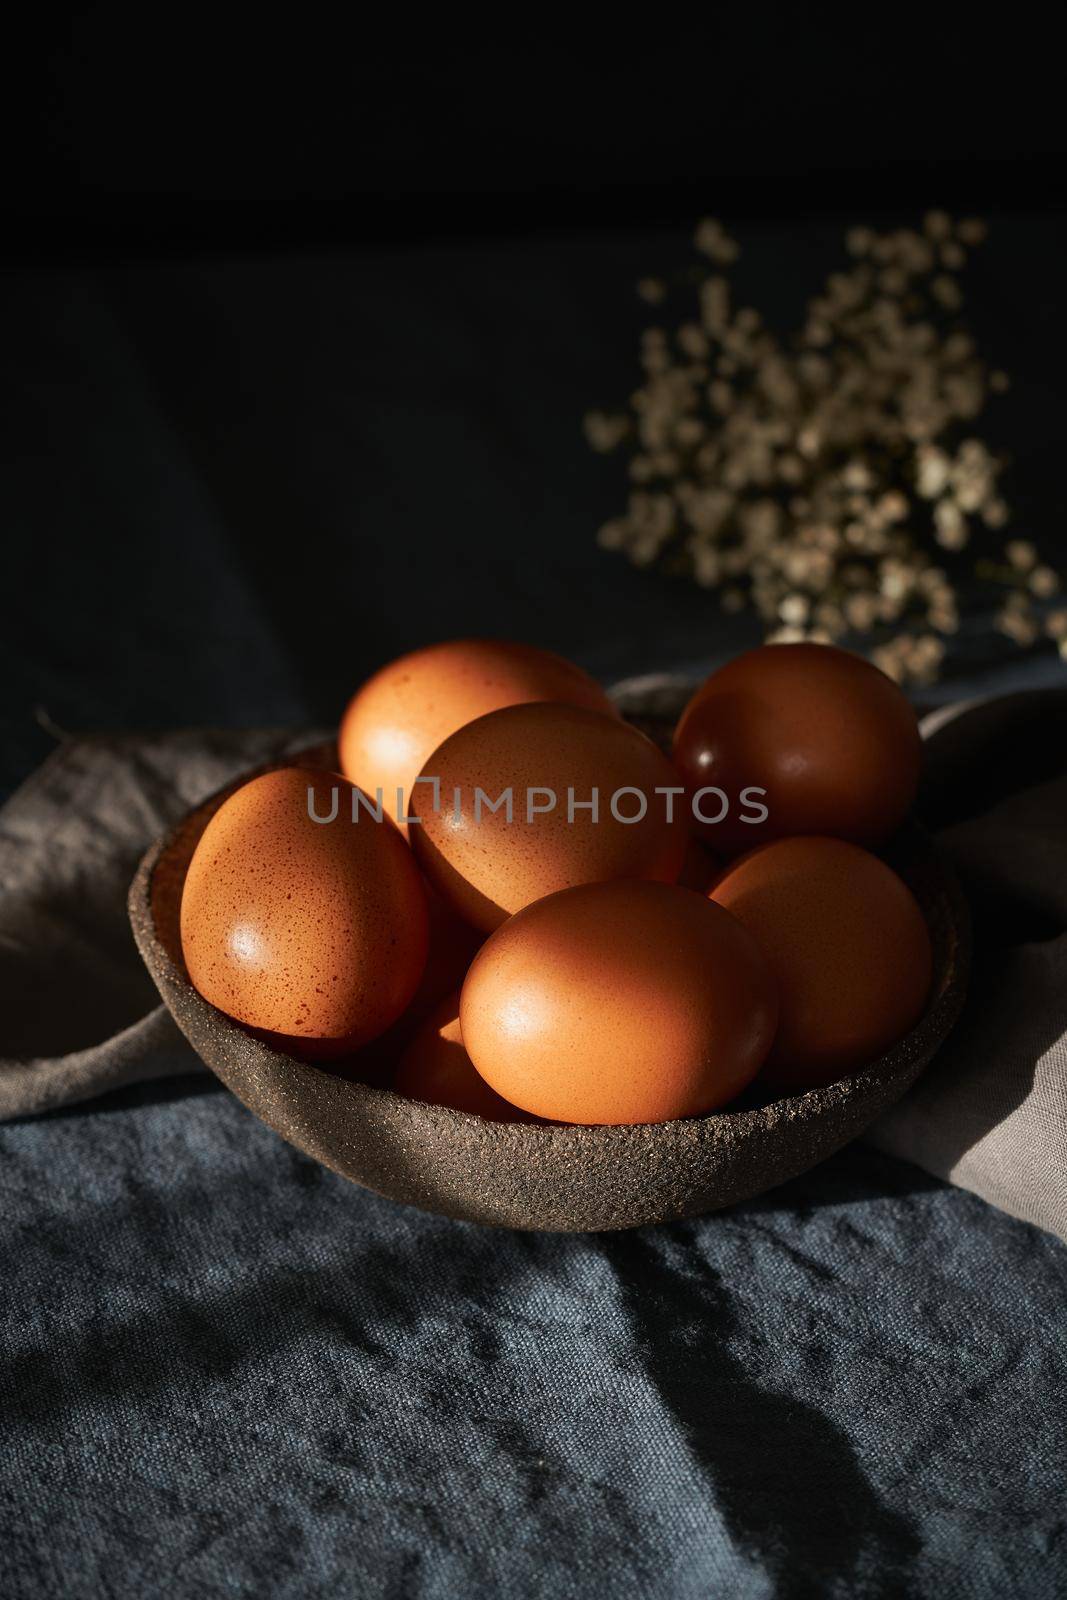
(834, 482)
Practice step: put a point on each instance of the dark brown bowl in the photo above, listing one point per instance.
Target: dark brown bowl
(521, 1175)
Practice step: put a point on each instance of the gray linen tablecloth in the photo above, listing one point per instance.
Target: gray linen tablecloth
(224, 1371)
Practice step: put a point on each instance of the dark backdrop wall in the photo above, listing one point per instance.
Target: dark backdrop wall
(298, 335)
(143, 136)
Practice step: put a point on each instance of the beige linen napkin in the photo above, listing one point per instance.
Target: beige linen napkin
(990, 1114)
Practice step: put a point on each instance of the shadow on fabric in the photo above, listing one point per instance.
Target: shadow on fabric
(755, 1446)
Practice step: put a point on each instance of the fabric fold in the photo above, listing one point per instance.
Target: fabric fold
(990, 1114)
(79, 1015)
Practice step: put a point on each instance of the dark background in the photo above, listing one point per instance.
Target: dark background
(290, 133)
(299, 329)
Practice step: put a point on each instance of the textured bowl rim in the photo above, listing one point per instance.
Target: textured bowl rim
(880, 1082)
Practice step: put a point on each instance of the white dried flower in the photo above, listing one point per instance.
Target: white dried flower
(933, 470)
(1017, 625)
(816, 480)
(1044, 582)
(712, 240)
(605, 432)
(795, 610)
(947, 291)
(938, 225)
(951, 524)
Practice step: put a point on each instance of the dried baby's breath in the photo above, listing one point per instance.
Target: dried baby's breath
(834, 482)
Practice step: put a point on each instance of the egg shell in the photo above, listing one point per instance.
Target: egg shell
(488, 867)
(400, 715)
(849, 948)
(437, 1069)
(619, 1002)
(313, 933)
(699, 868)
(452, 947)
(833, 742)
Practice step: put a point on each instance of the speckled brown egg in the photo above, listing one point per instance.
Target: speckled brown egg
(619, 1002)
(453, 944)
(799, 738)
(699, 868)
(436, 1068)
(313, 932)
(848, 946)
(400, 715)
(550, 759)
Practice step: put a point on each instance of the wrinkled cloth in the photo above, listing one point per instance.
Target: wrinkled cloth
(225, 1371)
(78, 1012)
(991, 1112)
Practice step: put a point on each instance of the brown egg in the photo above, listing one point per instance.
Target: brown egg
(312, 932)
(453, 945)
(618, 1003)
(848, 945)
(550, 759)
(699, 868)
(830, 741)
(436, 1068)
(401, 715)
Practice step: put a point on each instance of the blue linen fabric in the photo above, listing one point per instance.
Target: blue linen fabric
(227, 1372)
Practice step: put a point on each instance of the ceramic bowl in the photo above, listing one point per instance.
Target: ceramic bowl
(523, 1175)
